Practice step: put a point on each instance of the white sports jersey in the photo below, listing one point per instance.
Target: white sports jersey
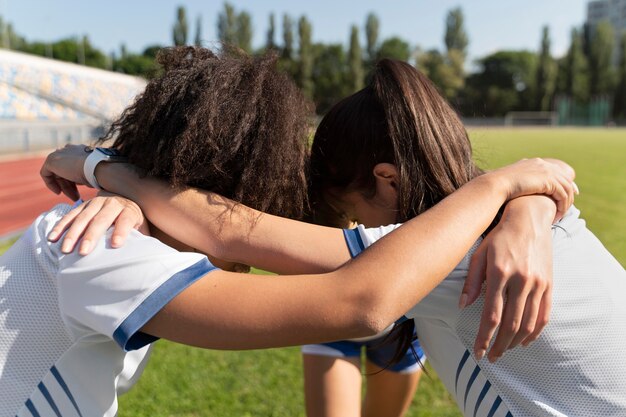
(575, 368)
(69, 325)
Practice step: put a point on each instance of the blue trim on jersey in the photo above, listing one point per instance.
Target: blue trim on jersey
(481, 397)
(127, 335)
(494, 407)
(48, 397)
(459, 369)
(55, 372)
(354, 241)
(32, 409)
(470, 383)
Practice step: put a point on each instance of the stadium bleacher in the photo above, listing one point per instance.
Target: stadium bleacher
(45, 103)
(36, 88)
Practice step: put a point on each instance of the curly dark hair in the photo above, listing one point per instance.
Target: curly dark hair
(224, 122)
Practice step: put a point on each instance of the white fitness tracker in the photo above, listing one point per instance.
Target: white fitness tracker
(97, 155)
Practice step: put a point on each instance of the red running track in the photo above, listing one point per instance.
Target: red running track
(23, 195)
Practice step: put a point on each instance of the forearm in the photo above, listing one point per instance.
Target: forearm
(404, 266)
(227, 230)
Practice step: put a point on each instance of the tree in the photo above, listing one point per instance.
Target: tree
(456, 37)
(227, 25)
(505, 82)
(244, 31)
(180, 27)
(620, 95)
(355, 61)
(198, 39)
(394, 48)
(269, 43)
(10, 39)
(305, 55)
(330, 75)
(575, 70)
(600, 54)
(287, 37)
(134, 64)
(152, 51)
(545, 75)
(436, 67)
(372, 25)
(456, 51)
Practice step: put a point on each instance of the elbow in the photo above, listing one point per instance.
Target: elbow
(370, 315)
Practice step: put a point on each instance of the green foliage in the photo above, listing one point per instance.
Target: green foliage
(270, 44)
(235, 28)
(443, 70)
(287, 37)
(505, 82)
(330, 75)
(180, 29)
(601, 52)
(227, 25)
(546, 74)
(619, 106)
(305, 57)
(574, 73)
(394, 48)
(152, 51)
(372, 26)
(244, 31)
(355, 61)
(10, 39)
(79, 51)
(134, 64)
(456, 37)
(198, 38)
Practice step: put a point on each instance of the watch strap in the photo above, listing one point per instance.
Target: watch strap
(94, 158)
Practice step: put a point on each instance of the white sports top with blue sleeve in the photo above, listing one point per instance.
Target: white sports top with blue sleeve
(69, 325)
(577, 367)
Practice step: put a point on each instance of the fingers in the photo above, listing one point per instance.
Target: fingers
(558, 187)
(491, 316)
(69, 189)
(90, 221)
(475, 277)
(510, 325)
(528, 320)
(65, 222)
(543, 317)
(51, 182)
(125, 222)
(79, 224)
(96, 222)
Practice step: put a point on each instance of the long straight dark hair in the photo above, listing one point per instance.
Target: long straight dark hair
(398, 118)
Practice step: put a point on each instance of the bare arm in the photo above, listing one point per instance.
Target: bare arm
(558, 185)
(227, 230)
(230, 311)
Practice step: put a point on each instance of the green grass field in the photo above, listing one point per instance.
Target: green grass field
(182, 381)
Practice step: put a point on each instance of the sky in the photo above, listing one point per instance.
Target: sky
(491, 24)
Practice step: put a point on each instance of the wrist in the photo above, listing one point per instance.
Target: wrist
(498, 183)
(539, 210)
(95, 157)
(109, 176)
